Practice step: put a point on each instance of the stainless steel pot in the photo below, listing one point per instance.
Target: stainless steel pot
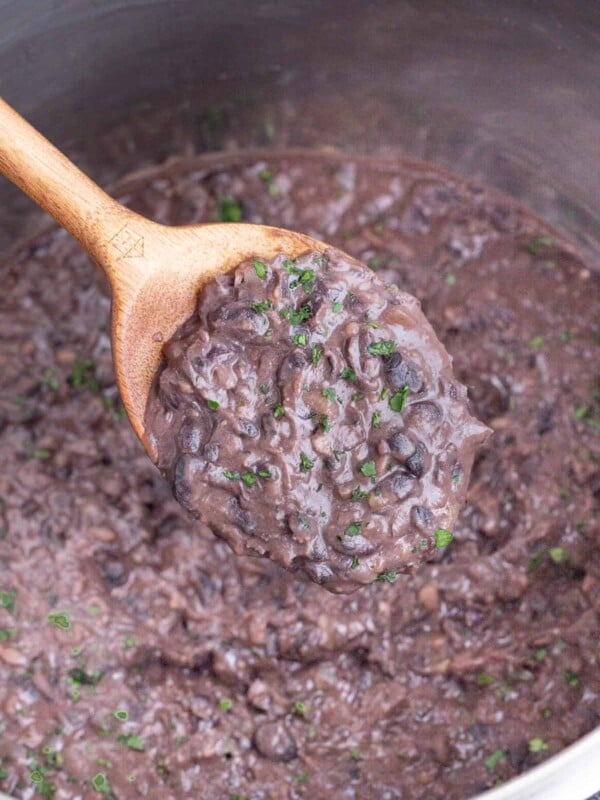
(506, 93)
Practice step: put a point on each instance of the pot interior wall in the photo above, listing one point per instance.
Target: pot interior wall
(503, 93)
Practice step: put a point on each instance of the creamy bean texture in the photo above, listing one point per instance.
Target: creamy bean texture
(308, 413)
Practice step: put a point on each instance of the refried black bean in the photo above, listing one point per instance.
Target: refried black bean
(328, 364)
(454, 679)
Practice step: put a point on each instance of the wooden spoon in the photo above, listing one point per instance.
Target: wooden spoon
(155, 271)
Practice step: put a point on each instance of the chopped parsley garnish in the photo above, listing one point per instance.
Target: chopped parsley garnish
(60, 619)
(232, 476)
(358, 494)
(571, 678)
(262, 306)
(306, 464)
(278, 412)
(372, 324)
(581, 412)
(368, 469)
(264, 473)
(355, 563)
(540, 244)
(229, 209)
(300, 708)
(300, 315)
(316, 353)
(7, 600)
(398, 400)
(376, 419)
(214, 404)
(225, 704)
(7, 633)
(337, 306)
(354, 529)
(121, 714)
(326, 425)
(495, 758)
(348, 374)
(329, 394)
(355, 754)
(558, 555)
(384, 393)
(386, 577)
(249, 478)
(100, 783)
(384, 348)
(300, 339)
(443, 537)
(484, 679)
(356, 396)
(260, 268)
(536, 745)
(540, 654)
(133, 741)
(80, 677)
(373, 263)
(451, 279)
(536, 341)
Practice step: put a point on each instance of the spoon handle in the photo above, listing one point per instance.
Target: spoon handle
(30, 161)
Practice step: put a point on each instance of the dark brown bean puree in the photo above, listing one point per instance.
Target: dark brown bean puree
(308, 413)
(236, 678)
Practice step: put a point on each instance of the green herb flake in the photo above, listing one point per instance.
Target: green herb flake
(383, 348)
(376, 419)
(83, 375)
(348, 374)
(229, 209)
(231, 475)
(540, 654)
(356, 396)
(358, 494)
(558, 555)
(492, 761)
(306, 464)
(337, 306)
(355, 754)
(249, 478)
(60, 619)
(368, 469)
(264, 473)
(80, 677)
(278, 412)
(214, 404)
(484, 679)
(7, 600)
(300, 708)
(132, 741)
(398, 400)
(100, 783)
(571, 678)
(300, 339)
(129, 642)
(374, 263)
(8, 633)
(451, 279)
(329, 394)
(325, 424)
(262, 306)
(443, 537)
(50, 380)
(535, 342)
(354, 529)
(540, 244)
(316, 353)
(536, 745)
(581, 412)
(225, 704)
(300, 315)
(386, 577)
(385, 393)
(121, 714)
(260, 268)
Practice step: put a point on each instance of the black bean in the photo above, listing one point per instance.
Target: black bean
(211, 452)
(414, 463)
(190, 436)
(274, 741)
(181, 486)
(422, 517)
(402, 486)
(401, 444)
(248, 428)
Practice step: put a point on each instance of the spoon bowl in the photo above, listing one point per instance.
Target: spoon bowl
(155, 271)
